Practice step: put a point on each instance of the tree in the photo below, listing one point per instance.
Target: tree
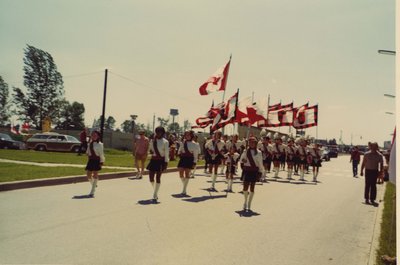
(163, 122)
(174, 127)
(126, 126)
(44, 87)
(186, 125)
(109, 124)
(70, 116)
(4, 103)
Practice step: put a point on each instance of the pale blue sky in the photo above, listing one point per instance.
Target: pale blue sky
(321, 52)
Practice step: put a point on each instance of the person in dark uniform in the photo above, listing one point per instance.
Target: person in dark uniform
(159, 150)
(252, 165)
(302, 151)
(277, 154)
(373, 165)
(188, 153)
(215, 149)
(290, 157)
(231, 158)
(355, 158)
(316, 160)
(83, 138)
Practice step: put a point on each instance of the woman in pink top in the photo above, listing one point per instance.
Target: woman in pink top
(141, 151)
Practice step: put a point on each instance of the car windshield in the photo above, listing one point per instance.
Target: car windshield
(5, 136)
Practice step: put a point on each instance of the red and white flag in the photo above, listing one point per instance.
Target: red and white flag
(241, 113)
(14, 129)
(280, 115)
(257, 112)
(227, 114)
(217, 82)
(305, 117)
(208, 118)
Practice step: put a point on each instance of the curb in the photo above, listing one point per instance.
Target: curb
(27, 184)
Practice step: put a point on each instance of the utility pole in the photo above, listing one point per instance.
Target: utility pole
(104, 106)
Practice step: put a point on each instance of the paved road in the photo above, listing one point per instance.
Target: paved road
(308, 224)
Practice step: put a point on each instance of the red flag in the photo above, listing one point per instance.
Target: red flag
(217, 82)
(14, 129)
(305, 117)
(203, 122)
(227, 114)
(280, 116)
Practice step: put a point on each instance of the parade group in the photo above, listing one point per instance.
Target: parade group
(256, 157)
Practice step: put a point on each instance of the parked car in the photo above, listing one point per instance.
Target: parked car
(333, 152)
(6, 142)
(53, 142)
(325, 154)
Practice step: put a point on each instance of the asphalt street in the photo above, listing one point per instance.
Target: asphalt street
(293, 223)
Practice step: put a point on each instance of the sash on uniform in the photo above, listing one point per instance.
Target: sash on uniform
(252, 166)
(93, 153)
(187, 153)
(157, 156)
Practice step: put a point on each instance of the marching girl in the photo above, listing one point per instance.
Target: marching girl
(283, 157)
(302, 156)
(224, 151)
(195, 141)
(95, 153)
(252, 166)
(316, 155)
(232, 159)
(277, 153)
(188, 153)
(290, 157)
(214, 148)
(159, 150)
(265, 148)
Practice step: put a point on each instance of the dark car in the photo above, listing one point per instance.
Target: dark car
(53, 142)
(333, 152)
(6, 142)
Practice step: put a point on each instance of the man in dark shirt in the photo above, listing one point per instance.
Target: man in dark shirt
(373, 165)
(355, 158)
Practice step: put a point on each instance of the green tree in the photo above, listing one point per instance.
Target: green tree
(163, 122)
(109, 123)
(4, 103)
(70, 116)
(44, 87)
(174, 127)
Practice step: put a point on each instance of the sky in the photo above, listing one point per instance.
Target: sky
(158, 53)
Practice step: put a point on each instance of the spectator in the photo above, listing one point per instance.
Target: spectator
(141, 151)
(373, 165)
(83, 135)
(355, 158)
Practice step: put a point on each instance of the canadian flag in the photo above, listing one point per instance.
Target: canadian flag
(227, 114)
(257, 111)
(217, 82)
(241, 113)
(305, 117)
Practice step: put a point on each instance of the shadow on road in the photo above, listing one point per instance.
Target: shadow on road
(205, 198)
(243, 213)
(148, 202)
(79, 197)
(180, 195)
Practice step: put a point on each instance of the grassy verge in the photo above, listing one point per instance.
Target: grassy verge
(15, 172)
(387, 241)
(113, 157)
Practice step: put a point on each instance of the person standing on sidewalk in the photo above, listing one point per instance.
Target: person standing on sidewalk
(96, 160)
(141, 151)
(355, 158)
(83, 139)
(159, 150)
(373, 165)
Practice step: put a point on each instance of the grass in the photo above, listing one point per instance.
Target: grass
(13, 172)
(16, 172)
(387, 241)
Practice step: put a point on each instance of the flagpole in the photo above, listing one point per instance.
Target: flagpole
(248, 126)
(223, 94)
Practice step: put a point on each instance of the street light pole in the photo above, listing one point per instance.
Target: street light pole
(104, 106)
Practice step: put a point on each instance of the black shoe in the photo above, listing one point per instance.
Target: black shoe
(91, 196)
(367, 202)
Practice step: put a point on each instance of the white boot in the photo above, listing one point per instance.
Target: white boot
(185, 184)
(213, 179)
(94, 185)
(250, 200)
(156, 188)
(246, 195)
(276, 172)
(301, 174)
(222, 169)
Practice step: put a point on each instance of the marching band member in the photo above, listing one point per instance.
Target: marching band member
(224, 151)
(159, 150)
(265, 148)
(283, 157)
(195, 141)
(214, 148)
(232, 158)
(96, 158)
(252, 166)
(302, 155)
(277, 153)
(296, 157)
(290, 157)
(188, 153)
(316, 154)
